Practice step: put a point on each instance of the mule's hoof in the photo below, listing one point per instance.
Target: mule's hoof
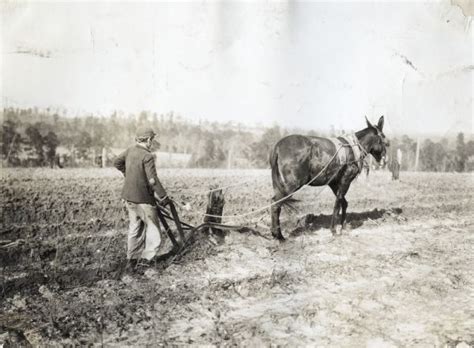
(279, 237)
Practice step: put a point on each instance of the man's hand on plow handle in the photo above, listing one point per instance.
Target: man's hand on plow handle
(163, 201)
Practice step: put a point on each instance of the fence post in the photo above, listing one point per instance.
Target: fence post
(104, 157)
(417, 156)
(229, 158)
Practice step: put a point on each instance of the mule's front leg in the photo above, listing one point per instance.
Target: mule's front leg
(340, 189)
(275, 212)
(344, 205)
(335, 213)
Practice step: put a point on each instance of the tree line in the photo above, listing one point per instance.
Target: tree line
(445, 155)
(34, 137)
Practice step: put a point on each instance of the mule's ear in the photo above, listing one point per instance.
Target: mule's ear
(368, 123)
(380, 124)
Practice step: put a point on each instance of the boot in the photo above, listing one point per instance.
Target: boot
(131, 266)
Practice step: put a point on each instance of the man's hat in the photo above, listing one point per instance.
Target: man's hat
(145, 132)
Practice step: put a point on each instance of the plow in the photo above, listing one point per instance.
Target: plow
(168, 216)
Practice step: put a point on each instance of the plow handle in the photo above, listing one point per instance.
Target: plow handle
(177, 222)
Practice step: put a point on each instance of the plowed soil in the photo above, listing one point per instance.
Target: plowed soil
(400, 275)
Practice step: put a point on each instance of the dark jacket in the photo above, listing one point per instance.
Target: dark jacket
(138, 166)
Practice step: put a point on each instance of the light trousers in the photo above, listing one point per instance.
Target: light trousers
(144, 234)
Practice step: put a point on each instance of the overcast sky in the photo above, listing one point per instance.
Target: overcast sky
(303, 64)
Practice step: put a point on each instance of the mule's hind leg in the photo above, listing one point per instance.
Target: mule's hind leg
(275, 211)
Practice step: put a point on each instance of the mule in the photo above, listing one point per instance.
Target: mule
(298, 160)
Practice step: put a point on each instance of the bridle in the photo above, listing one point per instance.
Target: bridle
(364, 152)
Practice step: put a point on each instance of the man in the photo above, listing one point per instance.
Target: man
(140, 192)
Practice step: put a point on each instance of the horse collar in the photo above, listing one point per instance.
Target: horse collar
(359, 152)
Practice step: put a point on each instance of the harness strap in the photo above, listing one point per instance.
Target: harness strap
(350, 140)
(341, 155)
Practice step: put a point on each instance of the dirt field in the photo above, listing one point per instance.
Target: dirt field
(401, 275)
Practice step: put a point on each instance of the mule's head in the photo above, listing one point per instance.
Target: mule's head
(376, 141)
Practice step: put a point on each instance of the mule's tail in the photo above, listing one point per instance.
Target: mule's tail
(276, 178)
(278, 183)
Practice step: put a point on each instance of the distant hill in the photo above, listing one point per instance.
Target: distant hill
(38, 137)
